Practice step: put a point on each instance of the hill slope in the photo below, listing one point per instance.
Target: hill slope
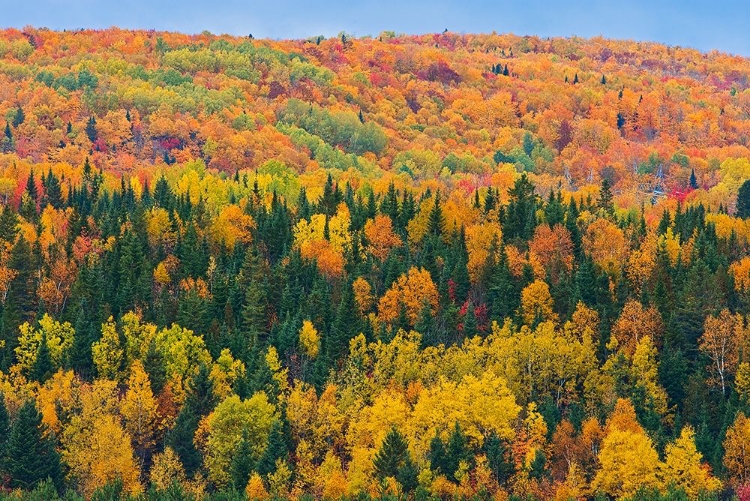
(570, 109)
(438, 267)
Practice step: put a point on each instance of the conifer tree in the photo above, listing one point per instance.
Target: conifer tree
(693, 180)
(42, 369)
(91, 132)
(4, 433)
(242, 462)
(31, 456)
(457, 451)
(743, 200)
(18, 117)
(276, 448)
(604, 202)
(393, 460)
(200, 401)
(436, 221)
(8, 224)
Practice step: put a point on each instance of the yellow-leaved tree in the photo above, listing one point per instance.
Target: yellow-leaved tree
(139, 411)
(95, 446)
(737, 450)
(309, 339)
(537, 304)
(108, 353)
(413, 291)
(683, 467)
(627, 459)
(59, 336)
(227, 424)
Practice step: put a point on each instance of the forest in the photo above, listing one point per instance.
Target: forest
(396, 267)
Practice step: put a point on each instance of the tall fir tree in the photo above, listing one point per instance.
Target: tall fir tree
(31, 455)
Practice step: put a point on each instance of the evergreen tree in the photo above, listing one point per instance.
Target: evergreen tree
(199, 402)
(42, 369)
(437, 455)
(528, 144)
(86, 334)
(496, 452)
(436, 221)
(345, 326)
(693, 180)
(276, 449)
(604, 202)
(19, 305)
(457, 451)
(8, 224)
(31, 454)
(470, 322)
(53, 191)
(91, 132)
(393, 460)
(6, 144)
(242, 462)
(743, 200)
(4, 433)
(503, 294)
(520, 220)
(31, 188)
(153, 364)
(18, 117)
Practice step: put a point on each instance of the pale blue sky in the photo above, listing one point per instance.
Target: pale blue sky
(703, 24)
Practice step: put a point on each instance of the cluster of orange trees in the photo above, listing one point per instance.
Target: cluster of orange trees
(445, 266)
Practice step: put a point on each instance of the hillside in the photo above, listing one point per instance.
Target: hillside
(569, 110)
(401, 267)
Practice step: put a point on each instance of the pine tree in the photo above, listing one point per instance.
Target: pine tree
(393, 460)
(604, 202)
(6, 144)
(19, 305)
(528, 144)
(42, 369)
(91, 132)
(85, 335)
(199, 402)
(242, 462)
(276, 449)
(693, 180)
(8, 224)
(457, 452)
(31, 188)
(495, 450)
(32, 457)
(391, 455)
(437, 455)
(4, 433)
(743, 200)
(18, 117)
(520, 220)
(153, 364)
(344, 328)
(53, 191)
(503, 294)
(436, 221)
(470, 322)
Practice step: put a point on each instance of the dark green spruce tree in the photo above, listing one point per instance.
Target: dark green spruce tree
(31, 455)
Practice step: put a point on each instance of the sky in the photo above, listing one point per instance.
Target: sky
(701, 24)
